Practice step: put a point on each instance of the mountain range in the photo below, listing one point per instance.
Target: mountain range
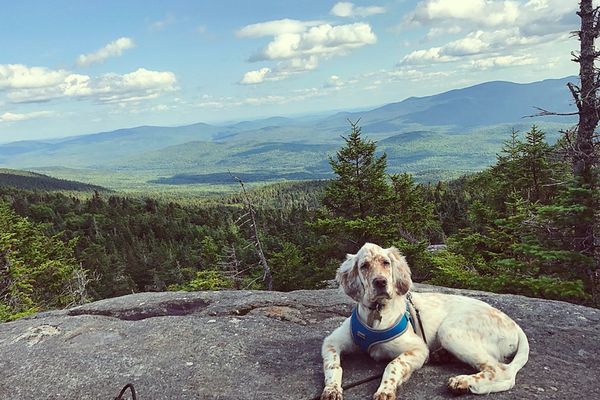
(433, 137)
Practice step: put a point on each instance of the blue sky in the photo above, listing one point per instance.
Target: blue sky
(75, 67)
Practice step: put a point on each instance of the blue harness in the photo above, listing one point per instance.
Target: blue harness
(366, 337)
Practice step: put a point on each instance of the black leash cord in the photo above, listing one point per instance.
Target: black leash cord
(130, 387)
(354, 384)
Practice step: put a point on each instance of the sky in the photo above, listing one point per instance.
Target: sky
(77, 67)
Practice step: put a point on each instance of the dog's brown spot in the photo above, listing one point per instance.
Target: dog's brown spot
(392, 381)
(385, 382)
(486, 372)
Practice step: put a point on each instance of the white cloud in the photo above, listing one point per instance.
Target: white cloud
(163, 23)
(440, 31)
(14, 117)
(424, 56)
(113, 49)
(502, 61)
(321, 40)
(275, 28)
(134, 86)
(37, 84)
(18, 76)
(282, 70)
(472, 44)
(496, 32)
(254, 77)
(482, 12)
(479, 44)
(348, 10)
(414, 75)
(336, 83)
(298, 46)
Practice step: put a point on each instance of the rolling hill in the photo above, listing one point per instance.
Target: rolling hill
(34, 181)
(433, 137)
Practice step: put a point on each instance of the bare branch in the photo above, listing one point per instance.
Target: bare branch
(543, 112)
(576, 93)
(251, 213)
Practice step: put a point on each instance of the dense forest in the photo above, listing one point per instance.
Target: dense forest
(507, 229)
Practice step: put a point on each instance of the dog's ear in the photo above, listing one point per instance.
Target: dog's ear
(347, 277)
(400, 271)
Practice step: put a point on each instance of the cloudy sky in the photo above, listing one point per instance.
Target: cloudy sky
(74, 67)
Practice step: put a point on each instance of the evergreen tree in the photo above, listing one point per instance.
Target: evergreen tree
(37, 272)
(355, 201)
(536, 169)
(360, 186)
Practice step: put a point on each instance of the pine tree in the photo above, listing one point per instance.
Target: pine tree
(355, 201)
(37, 272)
(360, 186)
(535, 165)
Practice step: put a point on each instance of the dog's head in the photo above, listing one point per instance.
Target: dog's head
(374, 274)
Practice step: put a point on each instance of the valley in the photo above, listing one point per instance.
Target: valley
(434, 138)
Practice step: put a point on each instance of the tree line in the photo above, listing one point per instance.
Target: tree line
(509, 228)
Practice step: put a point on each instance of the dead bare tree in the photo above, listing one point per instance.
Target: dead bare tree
(581, 142)
(583, 152)
(250, 218)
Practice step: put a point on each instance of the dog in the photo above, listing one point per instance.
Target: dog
(379, 280)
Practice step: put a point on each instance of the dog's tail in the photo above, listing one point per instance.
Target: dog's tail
(522, 354)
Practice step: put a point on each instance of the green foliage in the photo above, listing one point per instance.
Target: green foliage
(453, 270)
(363, 205)
(417, 256)
(205, 280)
(288, 267)
(37, 271)
(355, 200)
(519, 236)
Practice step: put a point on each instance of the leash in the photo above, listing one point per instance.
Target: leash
(354, 384)
(130, 387)
(419, 320)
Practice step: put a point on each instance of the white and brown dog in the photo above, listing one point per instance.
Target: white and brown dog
(473, 331)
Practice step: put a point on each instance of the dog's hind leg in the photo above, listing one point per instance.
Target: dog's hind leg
(492, 376)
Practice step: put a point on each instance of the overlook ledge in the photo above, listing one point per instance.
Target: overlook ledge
(261, 345)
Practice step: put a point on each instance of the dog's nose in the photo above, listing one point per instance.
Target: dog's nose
(380, 282)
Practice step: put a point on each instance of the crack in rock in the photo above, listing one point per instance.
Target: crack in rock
(175, 308)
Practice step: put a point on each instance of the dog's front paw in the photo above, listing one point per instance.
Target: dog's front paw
(459, 384)
(387, 394)
(331, 393)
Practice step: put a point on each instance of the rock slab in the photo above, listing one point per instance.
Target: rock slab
(248, 345)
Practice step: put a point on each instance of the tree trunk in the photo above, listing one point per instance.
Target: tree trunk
(584, 157)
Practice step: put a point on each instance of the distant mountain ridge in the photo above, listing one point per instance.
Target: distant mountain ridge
(461, 129)
(34, 181)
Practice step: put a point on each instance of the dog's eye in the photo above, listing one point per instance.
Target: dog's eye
(364, 265)
(386, 263)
